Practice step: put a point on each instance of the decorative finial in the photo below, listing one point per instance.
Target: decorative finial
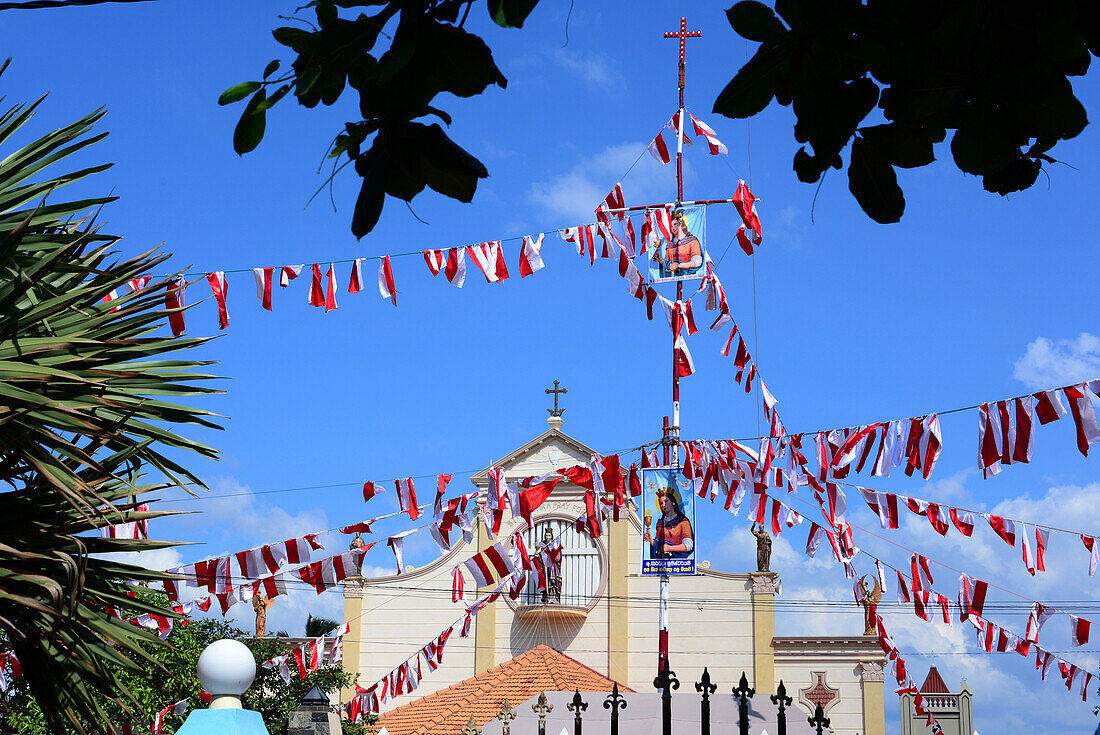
(471, 727)
(555, 412)
(226, 669)
(506, 715)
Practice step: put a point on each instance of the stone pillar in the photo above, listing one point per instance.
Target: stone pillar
(314, 716)
(764, 586)
(874, 704)
(966, 708)
(352, 663)
(618, 617)
(485, 624)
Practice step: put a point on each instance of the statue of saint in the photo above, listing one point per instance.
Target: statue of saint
(261, 605)
(551, 570)
(763, 548)
(357, 542)
(869, 600)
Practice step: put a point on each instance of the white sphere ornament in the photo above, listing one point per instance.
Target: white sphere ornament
(226, 669)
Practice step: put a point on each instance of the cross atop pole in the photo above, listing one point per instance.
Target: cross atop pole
(683, 34)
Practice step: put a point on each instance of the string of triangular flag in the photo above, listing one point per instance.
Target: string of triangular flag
(508, 572)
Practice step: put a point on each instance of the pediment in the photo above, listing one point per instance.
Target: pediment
(549, 451)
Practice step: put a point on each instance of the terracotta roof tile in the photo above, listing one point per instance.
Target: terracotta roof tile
(542, 669)
(933, 683)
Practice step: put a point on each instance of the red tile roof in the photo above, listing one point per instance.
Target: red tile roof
(542, 669)
(933, 683)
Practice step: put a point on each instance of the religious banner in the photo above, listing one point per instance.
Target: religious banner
(668, 545)
(681, 253)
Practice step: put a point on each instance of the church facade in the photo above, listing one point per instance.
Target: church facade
(606, 617)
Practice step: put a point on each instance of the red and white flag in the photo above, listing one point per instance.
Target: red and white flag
(385, 280)
(1003, 527)
(111, 296)
(355, 285)
(1079, 630)
(1036, 619)
(972, 594)
(136, 284)
(490, 566)
(174, 303)
(676, 126)
(330, 289)
(964, 522)
(1048, 406)
(406, 497)
(370, 489)
(264, 278)
(685, 366)
(1084, 415)
(582, 237)
(701, 128)
(394, 543)
(1092, 543)
(751, 233)
(455, 270)
(489, 258)
(435, 259)
(288, 273)
(316, 287)
(220, 288)
(658, 149)
(884, 504)
(530, 256)
(458, 585)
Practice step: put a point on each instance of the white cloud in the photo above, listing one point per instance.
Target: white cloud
(594, 68)
(158, 559)
(1049, 363)
(575, 194)
(245, 520)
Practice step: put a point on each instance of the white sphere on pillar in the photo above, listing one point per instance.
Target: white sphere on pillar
(226, 669)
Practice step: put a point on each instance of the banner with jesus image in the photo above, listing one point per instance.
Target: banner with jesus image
(668, 510)
(683, 255)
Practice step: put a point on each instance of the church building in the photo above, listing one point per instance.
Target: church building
(607, 614)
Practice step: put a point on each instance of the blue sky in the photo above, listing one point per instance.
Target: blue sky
(972, 297)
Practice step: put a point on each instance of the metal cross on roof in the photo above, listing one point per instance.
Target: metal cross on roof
(555, 411)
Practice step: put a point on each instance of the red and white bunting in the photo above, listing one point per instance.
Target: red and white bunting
(330, 289)
(701, 128)
(355, 284)
(386, 287)
(406, 497)
(530, 256)
(264, 277)
(658, 149)
(174, 303)
(288, 273)
(220, 288)
(317, 287)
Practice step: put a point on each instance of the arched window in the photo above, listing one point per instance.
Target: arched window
(581, 565)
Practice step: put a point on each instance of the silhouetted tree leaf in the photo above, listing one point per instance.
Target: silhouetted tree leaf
(874, 184)
(755, 21)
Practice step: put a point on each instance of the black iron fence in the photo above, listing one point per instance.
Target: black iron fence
(740, 708)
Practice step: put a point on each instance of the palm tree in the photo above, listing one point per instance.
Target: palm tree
(317, 627)
(87, 407)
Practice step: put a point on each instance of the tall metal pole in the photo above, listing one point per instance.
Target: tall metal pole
(674, 431)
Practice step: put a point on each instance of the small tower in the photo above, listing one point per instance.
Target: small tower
(954, 710)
